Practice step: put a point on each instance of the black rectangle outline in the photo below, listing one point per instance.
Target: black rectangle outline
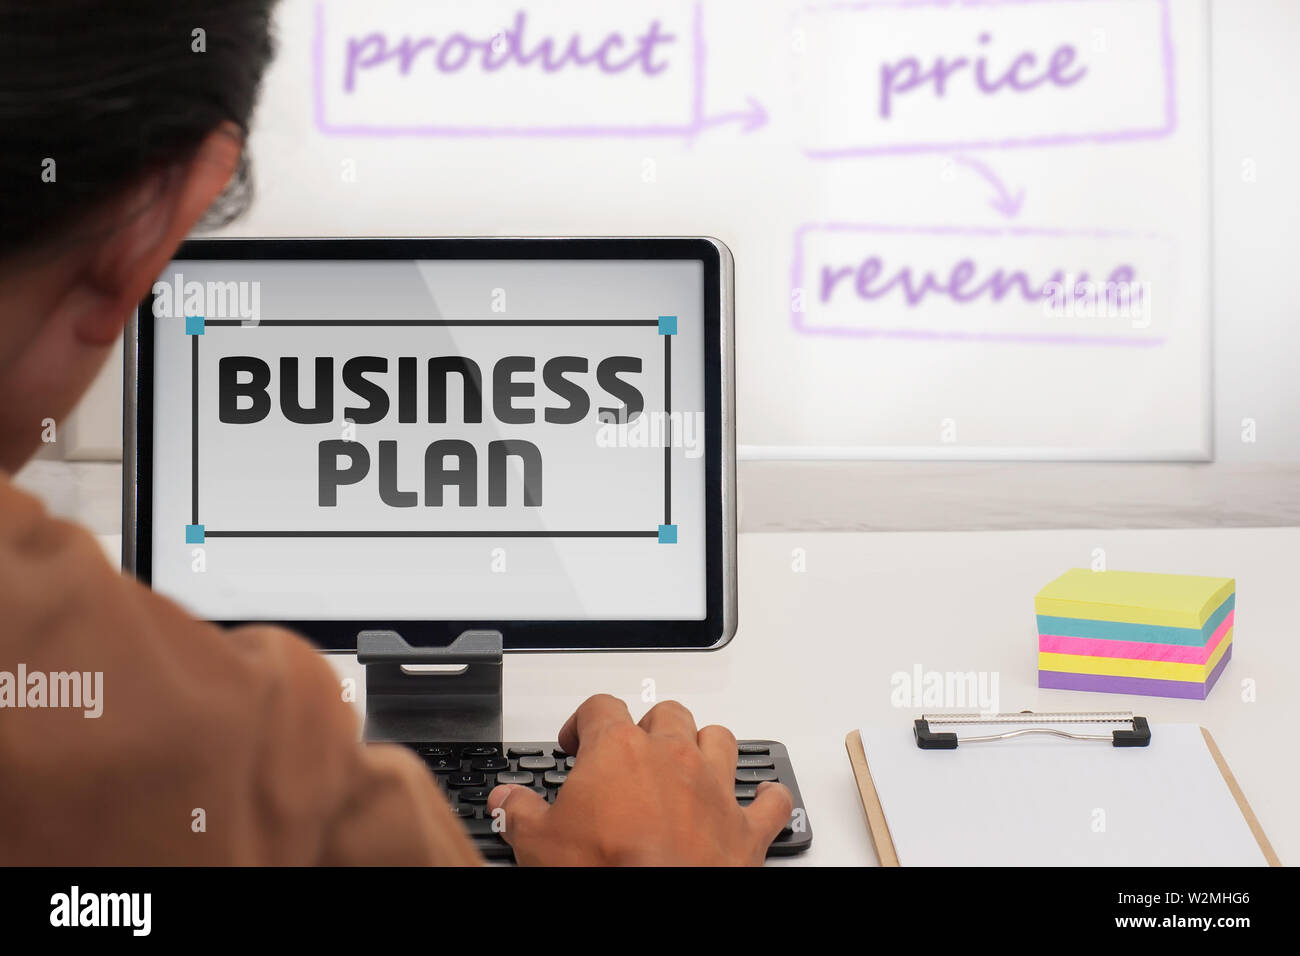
(495, 323)
(668, 423)
(338, 635)
(194, 431)
(388, 323)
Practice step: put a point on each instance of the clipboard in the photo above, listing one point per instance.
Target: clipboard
(1025, 724)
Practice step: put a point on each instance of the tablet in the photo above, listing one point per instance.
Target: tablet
(437, 435)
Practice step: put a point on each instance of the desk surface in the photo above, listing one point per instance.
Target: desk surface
(816, 650)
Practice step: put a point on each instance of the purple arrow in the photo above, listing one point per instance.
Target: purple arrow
(1004, 203)
(751, 118)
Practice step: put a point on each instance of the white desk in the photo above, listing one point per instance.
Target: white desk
(815, 652)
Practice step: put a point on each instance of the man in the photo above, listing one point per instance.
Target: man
(214, 746)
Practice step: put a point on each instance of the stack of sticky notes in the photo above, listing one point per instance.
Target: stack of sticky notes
(1128, 632)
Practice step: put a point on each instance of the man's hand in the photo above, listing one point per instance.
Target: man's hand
(657, 793)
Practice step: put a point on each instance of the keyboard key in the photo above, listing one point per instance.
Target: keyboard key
(480, 750)
(442, 764)
(524, 752)
(474, 795)
(466, 780)
(559, 754)
(481, 827)
(747, 792)
(523, 778)
(536, 763)
(569, 762)
(554, 778)
(753, 776)
(489, 764)
(432, 750)
(752, 748)
(462, 810)
(754, 762)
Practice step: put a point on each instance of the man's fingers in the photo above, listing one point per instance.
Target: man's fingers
(718, 744)
(524, 811)
(770, 811)
(669, 719)
(593, 715)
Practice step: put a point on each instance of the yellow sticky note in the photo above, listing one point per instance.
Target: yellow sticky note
(1134, 597)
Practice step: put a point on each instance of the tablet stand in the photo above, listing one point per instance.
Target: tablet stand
(404, 704)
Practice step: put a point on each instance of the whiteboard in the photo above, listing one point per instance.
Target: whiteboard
(965, 229)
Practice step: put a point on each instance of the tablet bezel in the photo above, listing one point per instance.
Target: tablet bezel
(719, 623)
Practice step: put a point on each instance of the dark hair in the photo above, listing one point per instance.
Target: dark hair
(111, 90)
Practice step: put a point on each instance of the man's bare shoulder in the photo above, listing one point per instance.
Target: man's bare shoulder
(49, 567)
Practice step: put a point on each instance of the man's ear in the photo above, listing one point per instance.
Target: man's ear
(150, 223)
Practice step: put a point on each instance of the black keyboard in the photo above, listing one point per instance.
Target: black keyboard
(468, 772)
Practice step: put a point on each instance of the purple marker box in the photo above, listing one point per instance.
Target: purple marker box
(684, 61)
(983, 17)
(895, 316)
